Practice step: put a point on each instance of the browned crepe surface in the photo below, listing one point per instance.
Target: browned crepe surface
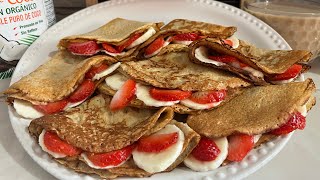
(175, 71)
(93, 127)
(113, 32)
(55, 79)
(268, 61)
(256, 111)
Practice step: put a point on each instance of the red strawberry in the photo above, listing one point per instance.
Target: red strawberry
(84, 48)
(239, 146)
(157, 142)
(228, 41)
(224, 58)
(52, 107)
(85, 89)
(206, 150)
(154, 46)
(169, 94)
(57, 145)
(292, 72)
(186, 37)
(123, 96)
(112, 158)
(129, 42)
(296, 121)
(227, 59)
(95, 70)
(109, 48)
(206, 97)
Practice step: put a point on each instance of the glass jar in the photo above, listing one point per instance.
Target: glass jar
(297, 21)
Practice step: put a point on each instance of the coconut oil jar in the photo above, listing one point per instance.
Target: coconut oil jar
(21, 23)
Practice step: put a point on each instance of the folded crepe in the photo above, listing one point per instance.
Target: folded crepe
(254, 117)
(173, 70)
(58, 78)
(92, 127)
(257, 110)
(183, 26)
(261, 66)
(121, 36)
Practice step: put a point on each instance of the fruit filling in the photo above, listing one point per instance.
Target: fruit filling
(109, 159)
(182, 38)
(290, 73)
(239, 146)
(157, 142)
(54, 144)
(157, 97)
(206, 150)
(296, 121)
(90, 48)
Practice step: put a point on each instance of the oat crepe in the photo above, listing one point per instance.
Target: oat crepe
(174, 70)
(55, 79)
(115, 32)
(93, 127)
(129, 168)
(256, 111)
(178, 26)
(269, 62)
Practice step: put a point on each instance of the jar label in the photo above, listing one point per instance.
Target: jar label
(21, 22)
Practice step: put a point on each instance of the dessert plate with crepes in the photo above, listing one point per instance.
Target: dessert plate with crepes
(210, 12)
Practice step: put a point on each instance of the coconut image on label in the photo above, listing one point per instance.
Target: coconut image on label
(22, 22)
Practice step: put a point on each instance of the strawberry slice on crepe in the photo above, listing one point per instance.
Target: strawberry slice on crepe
(182, 32)
(123, 96)
(88, 48)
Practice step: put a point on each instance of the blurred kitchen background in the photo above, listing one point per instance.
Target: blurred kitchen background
(64, 8)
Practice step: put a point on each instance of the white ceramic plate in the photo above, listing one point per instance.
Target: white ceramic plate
(249, 28)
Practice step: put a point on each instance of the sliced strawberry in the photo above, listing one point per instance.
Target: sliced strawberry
(57, 145)
(292, 72)
(154, 46)
(123, 96)
(84, 48)
(228, 41)
(95, 70)
(206, 97)
(52, 107)
(112, 158)
(157, 142)
(296, 121)
(129, 42)
(239, 146)
(109, 48)
(224, 58)
(169, 94)
(186, 37)
(227, 59)
(206, 150)
(85, 89)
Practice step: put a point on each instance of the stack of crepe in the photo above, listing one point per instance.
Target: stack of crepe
(253, 104)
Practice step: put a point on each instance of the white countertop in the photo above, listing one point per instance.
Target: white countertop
(299, 159)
